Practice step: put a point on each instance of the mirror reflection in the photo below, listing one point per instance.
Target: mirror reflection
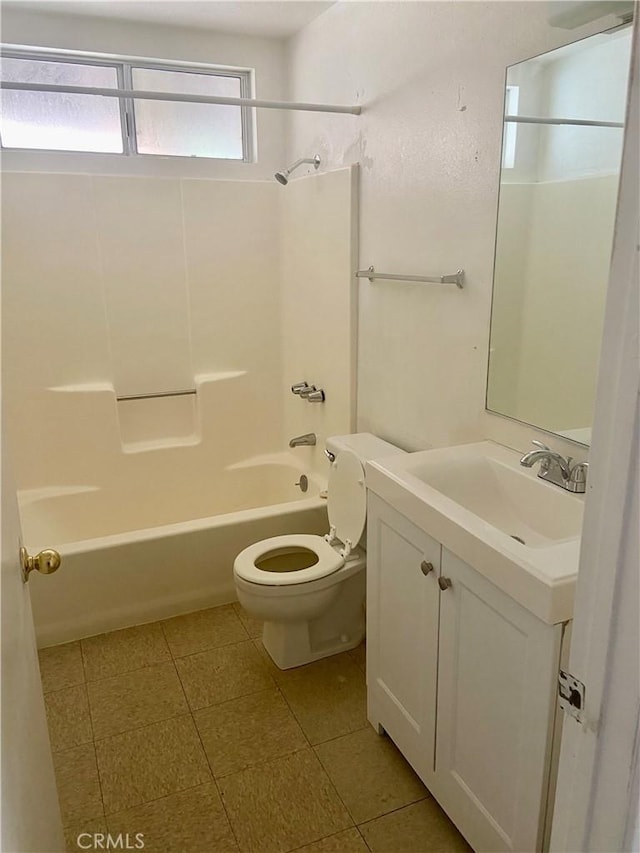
(562, 147)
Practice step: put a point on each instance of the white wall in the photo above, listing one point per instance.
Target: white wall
(430, 76)
(266, 56)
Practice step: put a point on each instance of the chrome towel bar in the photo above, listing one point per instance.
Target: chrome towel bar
(457, 278)
(153, 394)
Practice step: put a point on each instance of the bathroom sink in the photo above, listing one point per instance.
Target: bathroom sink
(478, 501)
(526, 508)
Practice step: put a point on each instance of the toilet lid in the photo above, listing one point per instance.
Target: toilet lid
(347, 504)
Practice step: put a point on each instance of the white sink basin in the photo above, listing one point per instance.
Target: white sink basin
(480, 503)
(534, 512)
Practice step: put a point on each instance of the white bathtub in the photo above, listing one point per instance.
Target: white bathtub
(132, 556)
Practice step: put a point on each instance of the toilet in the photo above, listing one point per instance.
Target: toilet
(310, 590)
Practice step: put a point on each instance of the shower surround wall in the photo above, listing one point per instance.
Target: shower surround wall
(318, 234)
(130, 286)
(134, 286)
(117, 286)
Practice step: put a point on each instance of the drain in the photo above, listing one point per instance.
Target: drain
(303, 482)
(518, 539)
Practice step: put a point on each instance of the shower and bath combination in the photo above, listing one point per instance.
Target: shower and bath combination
(283, 176)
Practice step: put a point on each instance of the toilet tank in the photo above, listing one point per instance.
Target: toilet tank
(365, 445)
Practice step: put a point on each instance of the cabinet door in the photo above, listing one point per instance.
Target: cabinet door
(402, 633)
(497, 681)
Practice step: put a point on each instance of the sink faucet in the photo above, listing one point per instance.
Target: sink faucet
(555, 469)
(308, 438)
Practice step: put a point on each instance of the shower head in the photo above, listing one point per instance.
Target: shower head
(283, 176)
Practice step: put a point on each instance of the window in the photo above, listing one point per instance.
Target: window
(510, 128)
(54, 121)
(59, 122)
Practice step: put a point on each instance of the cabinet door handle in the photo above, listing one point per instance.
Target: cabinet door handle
(444, 583)
(426, 567)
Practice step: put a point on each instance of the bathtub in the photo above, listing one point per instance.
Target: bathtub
(131, 555)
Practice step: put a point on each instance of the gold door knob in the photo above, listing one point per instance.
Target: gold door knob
(46, 562)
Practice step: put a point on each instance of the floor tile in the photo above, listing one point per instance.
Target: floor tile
(275, 671)
(145, 764)
(421, 826)
(206, 629)
(252, 626)
(370, 774)
(220, 674)
(78, 784)
(359, 656)
(68, 718)
(282, 804)
(248, 731)
(349, 841)
(60, 667)
(192, 821)
(82, 835)
(328, 697)
(135, 699)
(123, 651)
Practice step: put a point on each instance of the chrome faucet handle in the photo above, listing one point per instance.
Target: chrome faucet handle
(554, 468)
(540, 444)
(304, 393)
(578, 478)
(299, 387)
(316, 396)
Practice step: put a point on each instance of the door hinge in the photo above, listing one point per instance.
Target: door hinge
(571, 693)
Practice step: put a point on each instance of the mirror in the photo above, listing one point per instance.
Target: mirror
(561, 153)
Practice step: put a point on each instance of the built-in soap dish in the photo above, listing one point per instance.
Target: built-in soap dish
(153, 423)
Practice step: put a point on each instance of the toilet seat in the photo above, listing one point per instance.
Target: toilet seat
(329, 560)
(347, 510)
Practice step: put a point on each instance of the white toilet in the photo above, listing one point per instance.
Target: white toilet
(310, 590)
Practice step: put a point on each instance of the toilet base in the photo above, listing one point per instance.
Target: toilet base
(288, 644)
(340, 628)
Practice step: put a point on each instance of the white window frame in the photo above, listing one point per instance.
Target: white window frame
(123, 66)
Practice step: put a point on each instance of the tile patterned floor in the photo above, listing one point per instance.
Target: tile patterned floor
(186, 731)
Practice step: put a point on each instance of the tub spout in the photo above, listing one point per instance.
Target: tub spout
(302, 440)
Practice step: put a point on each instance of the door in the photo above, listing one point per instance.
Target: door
(599, 774)
(402, 633)
(30, 813)
(497, 682)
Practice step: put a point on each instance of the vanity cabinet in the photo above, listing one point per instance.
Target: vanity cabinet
(463, 679)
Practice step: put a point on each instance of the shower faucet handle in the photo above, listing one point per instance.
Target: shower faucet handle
(316, 396)
(299, 387)
(306, 392)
